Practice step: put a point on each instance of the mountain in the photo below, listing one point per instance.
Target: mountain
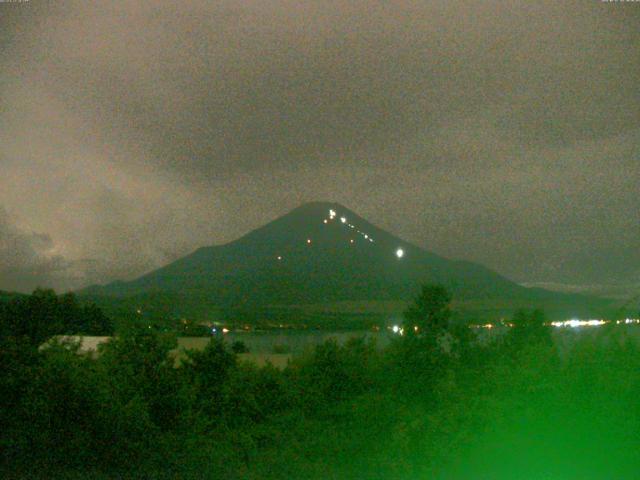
(326, 256)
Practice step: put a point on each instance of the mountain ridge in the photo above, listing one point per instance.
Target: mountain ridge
(320, 252)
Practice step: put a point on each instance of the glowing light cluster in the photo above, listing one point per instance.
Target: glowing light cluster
(333, 215)
(344, 221)
(573, 323)
(628, 321)
(398, 330)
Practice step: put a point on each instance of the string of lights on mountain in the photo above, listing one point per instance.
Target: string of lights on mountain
(343, 220)
(400, 253)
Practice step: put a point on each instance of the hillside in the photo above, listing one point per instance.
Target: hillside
(324, 254)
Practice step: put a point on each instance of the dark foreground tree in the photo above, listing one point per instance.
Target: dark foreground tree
(35, 318)
(430, 312)
(530, 327)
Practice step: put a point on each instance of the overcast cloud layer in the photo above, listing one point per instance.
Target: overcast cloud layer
(503, 132)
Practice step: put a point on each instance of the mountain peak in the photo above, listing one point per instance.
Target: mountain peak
(320, 207)
(318, 253)
(329, 223)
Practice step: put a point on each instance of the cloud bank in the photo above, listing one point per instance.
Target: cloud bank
(501, 132)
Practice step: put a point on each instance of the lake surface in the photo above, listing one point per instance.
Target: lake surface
(295, 342)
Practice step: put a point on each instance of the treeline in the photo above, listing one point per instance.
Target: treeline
(436, 403)
(35, 318)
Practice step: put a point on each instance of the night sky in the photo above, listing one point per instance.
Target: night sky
(503, 132)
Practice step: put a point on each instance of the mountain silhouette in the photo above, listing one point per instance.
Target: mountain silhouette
(321, 253)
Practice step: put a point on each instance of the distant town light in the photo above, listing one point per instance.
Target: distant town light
(399, 253)
(574, 323)
(326, 221)
(351, 241)
(308, 240)
(279, 257)
(343, 219)
(332, 213)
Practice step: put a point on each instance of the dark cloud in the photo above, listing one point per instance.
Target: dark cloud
(501, 132)
(26, 258)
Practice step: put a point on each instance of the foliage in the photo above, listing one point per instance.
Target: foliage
(239, 347)
(430, 312)
(529, 326)
(38, 316)
(522, 403)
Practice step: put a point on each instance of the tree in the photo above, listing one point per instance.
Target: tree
(430, 312)
(530, 327)
(37, 317)
(34, 318)
(239, 347)
(208, 371)
(95, 322)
